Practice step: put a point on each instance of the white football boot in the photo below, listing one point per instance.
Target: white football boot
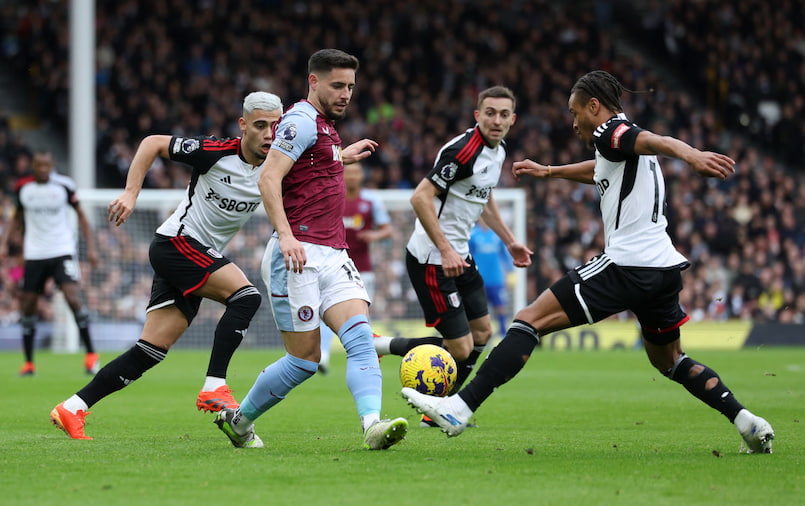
(451, 413)
(756, 432)
(385, 433)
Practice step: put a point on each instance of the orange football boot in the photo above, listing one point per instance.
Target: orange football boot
(71, 424)
(27, 369)
(216, 400)
(92, 363)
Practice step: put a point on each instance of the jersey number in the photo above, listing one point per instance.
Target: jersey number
(352, 272)
(655, 215)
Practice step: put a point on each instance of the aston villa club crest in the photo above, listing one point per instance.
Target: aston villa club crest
(305, 313)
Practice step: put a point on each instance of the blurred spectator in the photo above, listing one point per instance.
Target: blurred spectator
(494, 263)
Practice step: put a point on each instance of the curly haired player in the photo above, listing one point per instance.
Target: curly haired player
(639, 270)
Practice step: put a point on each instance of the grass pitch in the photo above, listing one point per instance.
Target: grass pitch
(572, 428)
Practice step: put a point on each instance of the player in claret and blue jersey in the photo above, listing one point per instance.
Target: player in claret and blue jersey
(306, 267)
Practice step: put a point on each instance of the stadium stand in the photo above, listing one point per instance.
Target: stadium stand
(423, 63)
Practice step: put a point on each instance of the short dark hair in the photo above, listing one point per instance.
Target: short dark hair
(601, 85)
(497, 92)
(39, 152)
(325, 60)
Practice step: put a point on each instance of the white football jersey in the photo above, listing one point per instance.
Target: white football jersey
(466, 170)
(632, 190)
(222, 194)
(47, 209)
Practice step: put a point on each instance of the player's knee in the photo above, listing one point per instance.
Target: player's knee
(662, 364)
(355, 341)
(533, 317)
(356, 337)
(481, 336)
(246, 301)
(664, 352)
(460, 349)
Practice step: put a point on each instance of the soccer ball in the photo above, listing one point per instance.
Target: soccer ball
(429, 369)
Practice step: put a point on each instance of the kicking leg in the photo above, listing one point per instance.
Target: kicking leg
(503, 363)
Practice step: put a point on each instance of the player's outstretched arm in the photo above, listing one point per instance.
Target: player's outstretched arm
(706, 163)
(581, 172)
(152, 146)
(357, 151)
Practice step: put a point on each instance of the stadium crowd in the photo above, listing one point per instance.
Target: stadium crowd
(422, 65)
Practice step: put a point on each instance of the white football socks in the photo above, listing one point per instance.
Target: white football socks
(458, 407)
(382, 345)
(211, 383)
(74, 404)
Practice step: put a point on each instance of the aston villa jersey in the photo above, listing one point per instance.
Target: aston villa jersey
(313, 192)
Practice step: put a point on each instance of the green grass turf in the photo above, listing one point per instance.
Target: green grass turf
(572, 428)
